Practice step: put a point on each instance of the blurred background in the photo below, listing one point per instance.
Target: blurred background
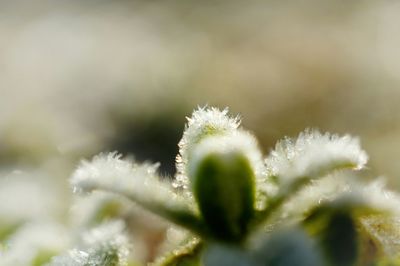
(80, 77)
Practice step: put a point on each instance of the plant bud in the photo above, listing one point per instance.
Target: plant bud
(223, 185)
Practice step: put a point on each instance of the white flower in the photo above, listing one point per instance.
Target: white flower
(314, 154)
(203, 122)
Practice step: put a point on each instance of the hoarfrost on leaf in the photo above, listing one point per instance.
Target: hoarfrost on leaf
(235, 142)
(242, 142)
(137, 182)
(343, 190)
(110, 170)
(73, 257)
(104, 245)
(314, 154)
(205, 121)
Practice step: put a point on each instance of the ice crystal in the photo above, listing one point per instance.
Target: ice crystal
(110, 170)
(242, 142)
(101, 246)
(204, 122)
(343, 189)
(237, 141)
(74, 257)
(373, 195)
(138, 182)
(313, 154)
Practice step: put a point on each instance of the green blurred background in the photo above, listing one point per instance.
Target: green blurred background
(80, 77)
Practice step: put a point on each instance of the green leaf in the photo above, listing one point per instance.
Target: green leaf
(109, 209)
(182, 216)
(223, 186)
(140, 184)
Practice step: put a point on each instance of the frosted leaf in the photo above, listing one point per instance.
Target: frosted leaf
(205, 121)
(320, 191)
(73, 257)
(376, 196)
(110, 170)
(101, 246)
(237, 141)
(343, 190)
(313, 154)
(138, 182)
(107, 240)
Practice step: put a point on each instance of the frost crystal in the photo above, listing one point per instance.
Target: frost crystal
(138, 182)
(110, 170)
(74, 257)
(107, 240)
(236, 141)
(345, 189)
(103, 245)
(203, 122)
(377, 196)
(243, 142)
(313, 154)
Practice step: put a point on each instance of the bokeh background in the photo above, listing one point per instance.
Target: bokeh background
(80, 77)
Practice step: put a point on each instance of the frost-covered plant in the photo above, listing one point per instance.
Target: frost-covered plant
(103, 245)
(304, 204)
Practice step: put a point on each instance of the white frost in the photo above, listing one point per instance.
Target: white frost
(106, 240)
(205, 121)
(110, 170)
(314, 154)
(139, 182)
(235, 142)
(343, 189)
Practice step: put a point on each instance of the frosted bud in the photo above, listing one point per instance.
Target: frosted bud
(204, 122)
(222, 175)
